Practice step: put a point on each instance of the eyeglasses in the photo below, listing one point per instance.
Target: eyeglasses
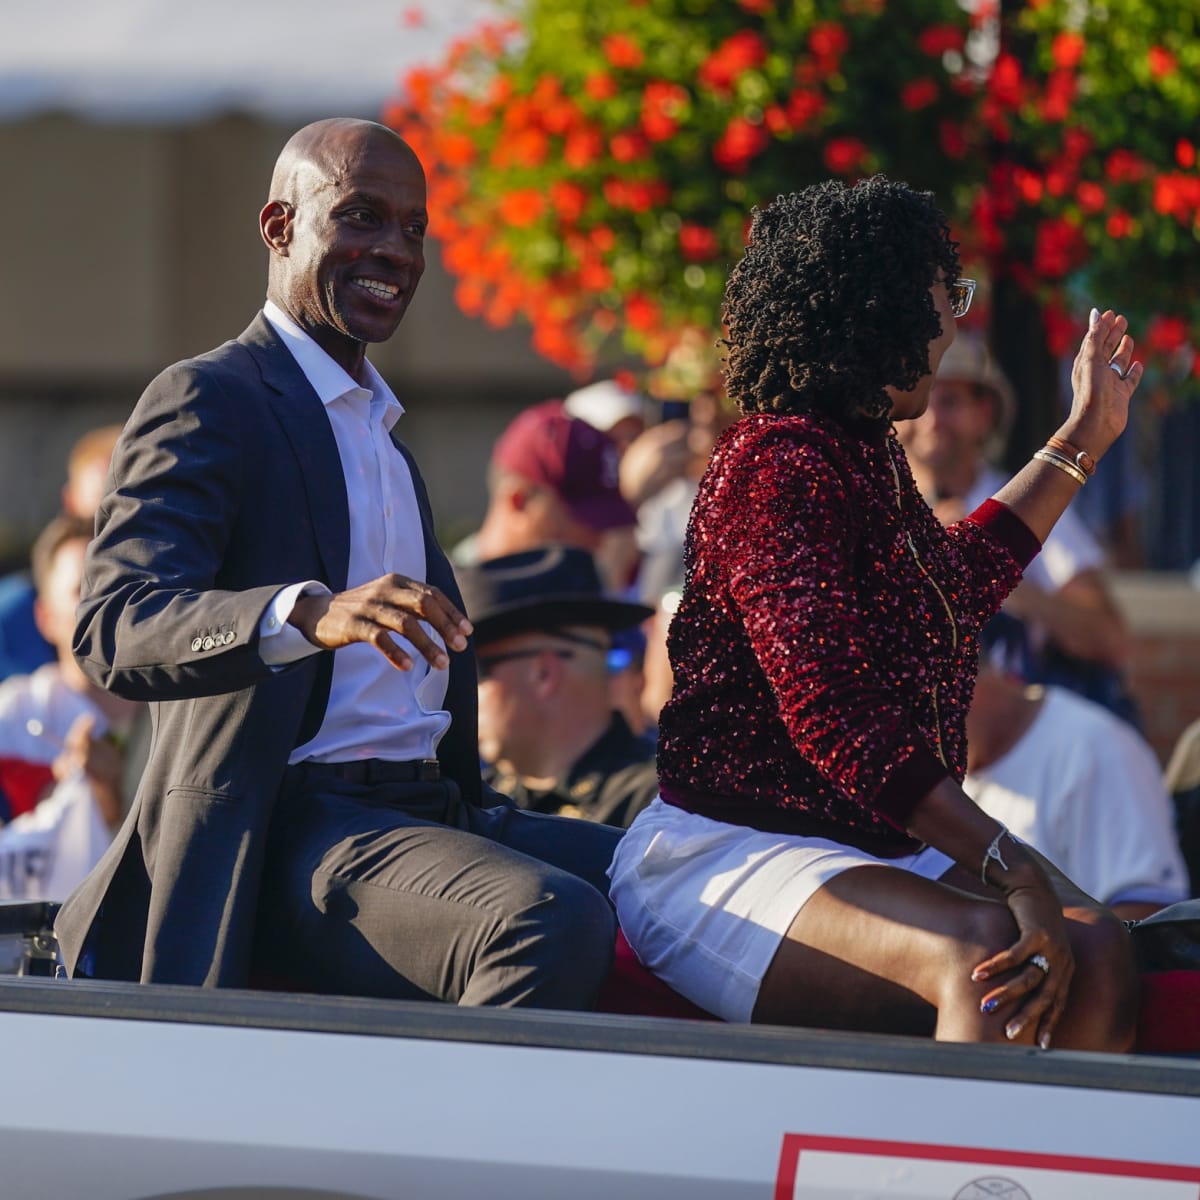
(960, 291)
(487, 663)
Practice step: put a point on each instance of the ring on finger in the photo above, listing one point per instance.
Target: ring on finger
(1041, 962)
(1115, 367)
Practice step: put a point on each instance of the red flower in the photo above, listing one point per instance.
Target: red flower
(662, 106)
(455, 149)
(583, 146)
(918, 94)
(1090, 196)
(641, 313)
(1077, 143)
(758, 7)
(741, 141)
(1177, 196)
(1006, 85)
(1067, 49)
(697, 243)
(1167, 334)
(628, 147)
(594, 276)
(828, 41)
(1061, 332)
(600, 85)
(1185, 154)
(844, 156)
(954, 143)
(1162, 61)
(1029, 185)
(1055, 102)
(522, 207)
(937, 39)
(804, 106)
(1123, 166)
(622, 51)
(413, 16)
(1119, 224)
(1057, 248)
(569, 200)
(738, 53)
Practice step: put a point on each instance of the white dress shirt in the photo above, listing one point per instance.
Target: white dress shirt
(374, 710)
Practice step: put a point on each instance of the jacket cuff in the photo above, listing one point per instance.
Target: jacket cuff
(908, 784)
(1008, 529)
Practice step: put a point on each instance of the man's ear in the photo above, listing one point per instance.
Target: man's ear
(275, 225)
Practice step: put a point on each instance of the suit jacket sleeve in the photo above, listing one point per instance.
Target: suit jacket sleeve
(158, 619)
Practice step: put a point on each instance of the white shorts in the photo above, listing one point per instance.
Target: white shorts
(705, 904)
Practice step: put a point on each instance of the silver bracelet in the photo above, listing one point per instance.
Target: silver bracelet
(992, 854)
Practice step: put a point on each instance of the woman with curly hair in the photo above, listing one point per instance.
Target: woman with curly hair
(812, 858)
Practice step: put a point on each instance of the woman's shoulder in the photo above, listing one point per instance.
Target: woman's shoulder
(794, 438)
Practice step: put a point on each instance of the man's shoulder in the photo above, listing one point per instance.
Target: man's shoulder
(234, 363)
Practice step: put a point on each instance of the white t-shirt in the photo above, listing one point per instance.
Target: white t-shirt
(46, 852)
(1083, 788)
(1068, 550)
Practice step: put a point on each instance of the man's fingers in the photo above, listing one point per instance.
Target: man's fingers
(379, 637)
(431, 605)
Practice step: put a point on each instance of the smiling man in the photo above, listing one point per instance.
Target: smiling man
(265, 573)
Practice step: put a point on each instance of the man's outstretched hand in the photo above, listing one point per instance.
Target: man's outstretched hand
(375, 611)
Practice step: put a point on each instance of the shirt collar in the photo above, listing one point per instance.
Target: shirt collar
(329, 380)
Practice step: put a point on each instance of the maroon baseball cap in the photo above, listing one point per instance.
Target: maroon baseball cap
(576, 461)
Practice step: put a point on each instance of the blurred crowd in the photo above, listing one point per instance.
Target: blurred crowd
(571, 580)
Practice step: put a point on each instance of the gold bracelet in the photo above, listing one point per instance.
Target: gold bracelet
(1065, 465)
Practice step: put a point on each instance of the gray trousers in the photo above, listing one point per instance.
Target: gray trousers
(400, 890)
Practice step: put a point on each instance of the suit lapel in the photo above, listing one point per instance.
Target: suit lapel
(306, 426)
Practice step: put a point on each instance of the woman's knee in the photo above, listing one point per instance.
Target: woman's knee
(1105, 986)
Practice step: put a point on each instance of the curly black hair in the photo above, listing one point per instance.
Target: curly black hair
(830, 303)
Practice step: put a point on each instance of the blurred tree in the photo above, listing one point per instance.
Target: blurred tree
(592, 166)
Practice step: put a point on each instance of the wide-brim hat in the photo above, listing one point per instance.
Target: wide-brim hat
(542, 589)
(968, 360)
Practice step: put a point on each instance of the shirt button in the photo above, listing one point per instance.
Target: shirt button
(271, 622)
(197, 643)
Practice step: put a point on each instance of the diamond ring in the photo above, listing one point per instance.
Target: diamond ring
(1041, 962)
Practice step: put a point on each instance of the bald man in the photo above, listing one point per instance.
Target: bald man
(265, 573)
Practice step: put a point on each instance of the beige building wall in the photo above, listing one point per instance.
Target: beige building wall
(125, 248)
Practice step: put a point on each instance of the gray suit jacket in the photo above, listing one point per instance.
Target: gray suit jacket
(226, 485)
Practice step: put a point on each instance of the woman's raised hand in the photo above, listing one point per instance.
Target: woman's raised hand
(1103, 378)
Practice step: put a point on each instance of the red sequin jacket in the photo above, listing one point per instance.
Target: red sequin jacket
(825, 648)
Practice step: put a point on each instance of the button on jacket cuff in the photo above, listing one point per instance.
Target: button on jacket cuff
(278, 642)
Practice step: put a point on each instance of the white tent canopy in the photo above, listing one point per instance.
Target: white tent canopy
(169, 60)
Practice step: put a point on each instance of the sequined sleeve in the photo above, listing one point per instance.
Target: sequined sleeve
(789, 548)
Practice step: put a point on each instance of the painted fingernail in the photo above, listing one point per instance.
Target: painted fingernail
(989, 1006)
(1044, 1041)
(1013, 1029)
(1093, 317)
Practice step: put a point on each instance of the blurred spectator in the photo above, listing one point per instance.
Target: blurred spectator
(22, 647)
(1182, 779)
(1072, 780)
(553, 480)
(543, 640)
(611, 407)
(1078, 635)
(62, 769)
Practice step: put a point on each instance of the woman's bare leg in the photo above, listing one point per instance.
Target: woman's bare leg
(881, 949)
